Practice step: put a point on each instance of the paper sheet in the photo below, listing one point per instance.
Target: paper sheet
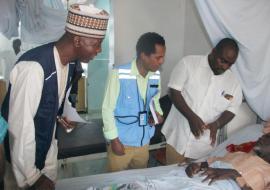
(70, 112)
(153, 112)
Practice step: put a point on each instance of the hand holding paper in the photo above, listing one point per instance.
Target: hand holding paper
(66, 123)
(156, 117)
(70, 114)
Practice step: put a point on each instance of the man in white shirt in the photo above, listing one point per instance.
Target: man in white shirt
(38, 85)
(205, 96)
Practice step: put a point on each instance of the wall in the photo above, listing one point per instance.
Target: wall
(176, 20)
(7, 57)
(196, 39)
(133, 18)
(245, 117)
(98, 69)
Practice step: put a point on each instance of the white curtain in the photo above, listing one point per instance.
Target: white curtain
(247, 21)
(41, 21)
(8, 18)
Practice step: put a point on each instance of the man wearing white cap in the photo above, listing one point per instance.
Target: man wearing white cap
(38, 85)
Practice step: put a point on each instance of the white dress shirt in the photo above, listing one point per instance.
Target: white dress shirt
(204, 94)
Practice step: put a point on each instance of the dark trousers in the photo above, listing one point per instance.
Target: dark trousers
(2, 185)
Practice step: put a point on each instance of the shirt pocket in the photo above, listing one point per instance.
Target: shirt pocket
(129, 97)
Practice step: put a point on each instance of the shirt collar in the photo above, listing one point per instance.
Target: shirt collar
(205, 61)
(135, 71)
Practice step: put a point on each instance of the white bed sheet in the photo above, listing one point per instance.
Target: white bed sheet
(246, 134)
(156, 175)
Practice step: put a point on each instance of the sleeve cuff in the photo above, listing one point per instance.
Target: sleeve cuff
(112, 134)
(175, 87)
(33, 178)
(233, 110)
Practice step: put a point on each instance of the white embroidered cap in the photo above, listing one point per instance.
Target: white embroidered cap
(87, 20)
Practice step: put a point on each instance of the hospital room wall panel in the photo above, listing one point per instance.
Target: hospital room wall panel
(178, 21)
(244, 117)
(133, 18)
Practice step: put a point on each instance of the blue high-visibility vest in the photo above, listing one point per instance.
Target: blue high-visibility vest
(130, 103)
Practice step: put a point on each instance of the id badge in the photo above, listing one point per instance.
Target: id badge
(142, 118)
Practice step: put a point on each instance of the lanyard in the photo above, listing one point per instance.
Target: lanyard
(138, 97)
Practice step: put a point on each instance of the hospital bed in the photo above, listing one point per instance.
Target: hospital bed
(87, 138)
(249, 133)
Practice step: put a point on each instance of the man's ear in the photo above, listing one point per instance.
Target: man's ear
(143, 56)
(76, 41)
(213, 52)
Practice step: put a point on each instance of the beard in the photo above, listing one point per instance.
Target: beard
(218, 71)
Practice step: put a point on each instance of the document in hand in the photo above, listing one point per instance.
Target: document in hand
(153, 111)
(71, 113)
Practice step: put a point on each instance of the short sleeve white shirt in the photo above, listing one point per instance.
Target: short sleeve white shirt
(204, 93)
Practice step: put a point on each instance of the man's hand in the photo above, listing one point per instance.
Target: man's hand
(196, 126)
(214, 174)
(213, 132)
(193, 169)
(151, 121)
(160, 118)
(65, 122)
(117, 147)
(195, 122)
(43, 183)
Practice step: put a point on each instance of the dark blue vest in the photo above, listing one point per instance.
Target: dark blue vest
(45, 117)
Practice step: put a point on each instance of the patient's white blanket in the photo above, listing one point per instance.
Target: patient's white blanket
(175, 179)
(249, 133)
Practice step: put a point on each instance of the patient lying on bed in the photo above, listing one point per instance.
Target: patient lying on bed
(248, 170)
(234, 171)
